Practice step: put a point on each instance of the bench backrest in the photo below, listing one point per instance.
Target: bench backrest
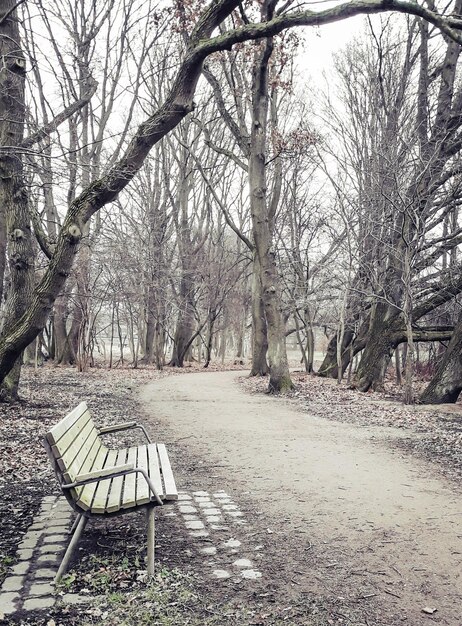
(74, 443)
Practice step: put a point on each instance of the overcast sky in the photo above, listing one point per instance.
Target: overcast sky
(322, 42)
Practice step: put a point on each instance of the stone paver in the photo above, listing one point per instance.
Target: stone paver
(24, 555)
(187, 509)
(41, 589)
(45, 572)
(8, 603)
(49, 559)
(51, 548)
(75, 598)
(35, 604)
(55, 538)
(13, 583)
(20, 568)
(28, 544)
(195, 525)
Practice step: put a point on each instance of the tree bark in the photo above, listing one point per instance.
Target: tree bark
(259, 330)
(280, 380)
(329, 368)
(13, 193)
(446, 384)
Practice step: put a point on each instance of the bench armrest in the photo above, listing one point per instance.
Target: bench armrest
(105, 473)
(112, 472)
(115, 427)
(124, 426)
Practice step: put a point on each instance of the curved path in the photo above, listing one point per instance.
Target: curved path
(360, 519)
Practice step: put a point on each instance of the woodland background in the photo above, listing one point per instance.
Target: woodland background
(277, 211)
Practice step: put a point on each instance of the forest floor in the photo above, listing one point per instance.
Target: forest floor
(346, 507)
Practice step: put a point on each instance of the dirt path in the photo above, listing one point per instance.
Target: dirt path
(353, 519)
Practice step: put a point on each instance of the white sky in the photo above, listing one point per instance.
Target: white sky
(324, 41)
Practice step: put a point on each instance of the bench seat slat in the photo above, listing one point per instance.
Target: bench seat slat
(129, 494)
(170, 492)
(115, 492)
(100, 498)
(86, 494)
(154, 470)
(143, 493)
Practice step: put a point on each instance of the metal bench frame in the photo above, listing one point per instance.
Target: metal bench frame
(104, 474)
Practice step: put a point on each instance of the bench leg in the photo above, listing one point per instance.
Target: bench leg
(151, 540)
(75, 524)
(79, 528)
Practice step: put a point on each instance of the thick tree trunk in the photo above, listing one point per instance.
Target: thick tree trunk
(280, 380)
(13, 193)
(329, 367)
(446, 384)
(184, 326)
(259, 331)
(382, 340)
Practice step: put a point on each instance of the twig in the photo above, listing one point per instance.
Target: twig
(396, 570)
(391, 593)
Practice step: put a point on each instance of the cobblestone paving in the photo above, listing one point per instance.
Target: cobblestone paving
(213, 521)
(217, 519)
(30, 584)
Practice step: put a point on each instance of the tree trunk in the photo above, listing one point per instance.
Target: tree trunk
(280, 380)
(446, 384)
(329, 367)
(13, 193)
(259, 331)
(399, 378)
(185, 322)
(151, 325)
(379, 348)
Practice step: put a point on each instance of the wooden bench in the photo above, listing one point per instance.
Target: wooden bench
(100, 482)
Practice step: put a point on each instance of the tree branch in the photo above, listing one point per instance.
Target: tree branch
(65, 114)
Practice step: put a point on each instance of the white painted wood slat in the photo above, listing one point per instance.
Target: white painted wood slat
(74, 438)
(154, 471)
(171, 492)
(100, 498)
(143, 493)
(74, 457)
(129, 495)
(115, 492)
(85, 494)
(66, 423)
